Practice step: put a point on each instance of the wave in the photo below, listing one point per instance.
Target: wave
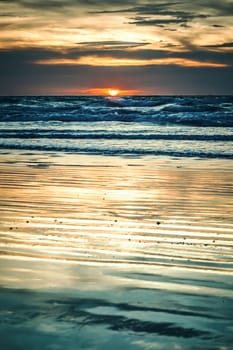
(121, 151)
(128, 116)
(184, 126)
(73, 135)
(163, 110)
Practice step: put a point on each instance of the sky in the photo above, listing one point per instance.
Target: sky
(83, 47)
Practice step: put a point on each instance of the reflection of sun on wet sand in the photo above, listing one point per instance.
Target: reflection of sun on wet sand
(122, 245)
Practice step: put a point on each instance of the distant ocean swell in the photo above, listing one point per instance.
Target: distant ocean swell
(161, 110)
(158, 125)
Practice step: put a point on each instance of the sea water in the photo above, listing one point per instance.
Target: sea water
(184, 126)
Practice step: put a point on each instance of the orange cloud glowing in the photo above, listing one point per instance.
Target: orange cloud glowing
(115, 62)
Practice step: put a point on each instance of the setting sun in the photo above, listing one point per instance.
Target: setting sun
(113, 92)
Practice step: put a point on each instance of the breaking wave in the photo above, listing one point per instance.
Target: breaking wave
(199, 111)
(197, 126)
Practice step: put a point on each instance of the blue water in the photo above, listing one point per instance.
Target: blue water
(184, 126)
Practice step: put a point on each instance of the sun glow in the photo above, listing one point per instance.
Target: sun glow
(113, 92)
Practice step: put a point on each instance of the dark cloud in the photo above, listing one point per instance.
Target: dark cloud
(217, 26)
(164, 9)
(191, 52)
(172, 13)
(112, 52)
(147, 9)
(30, 56)
(160, 9)
(57, 4)
(43, 4)
(114, 49)
(224, 45)
(9, 14)
(168, 17)
(219, 8)
(156, 22)
(209, 56)
(109, 44)
(36, 4)
(5, 25)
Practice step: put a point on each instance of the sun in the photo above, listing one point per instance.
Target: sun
(113, 92)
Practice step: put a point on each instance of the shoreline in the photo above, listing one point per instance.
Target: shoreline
(116, 246)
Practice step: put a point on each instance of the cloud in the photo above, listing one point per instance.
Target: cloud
(163, 18)
(164, 13)
(43, 4)
(223, 45)
(94, 54)
(59, 39)
(213, 7)
(169, 8)
(148, 9)
(178, 13)
(111, 62)
(219, 8)
(35, 4)
(109, 44)
(156, 22)
(57, 4)
(120, 53)
(217, 26)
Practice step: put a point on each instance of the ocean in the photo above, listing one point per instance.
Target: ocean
(116, 223)
(183, 126)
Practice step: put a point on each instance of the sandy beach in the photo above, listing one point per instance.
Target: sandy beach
(106, 252)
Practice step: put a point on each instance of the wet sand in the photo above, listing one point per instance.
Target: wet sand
(107, 252)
